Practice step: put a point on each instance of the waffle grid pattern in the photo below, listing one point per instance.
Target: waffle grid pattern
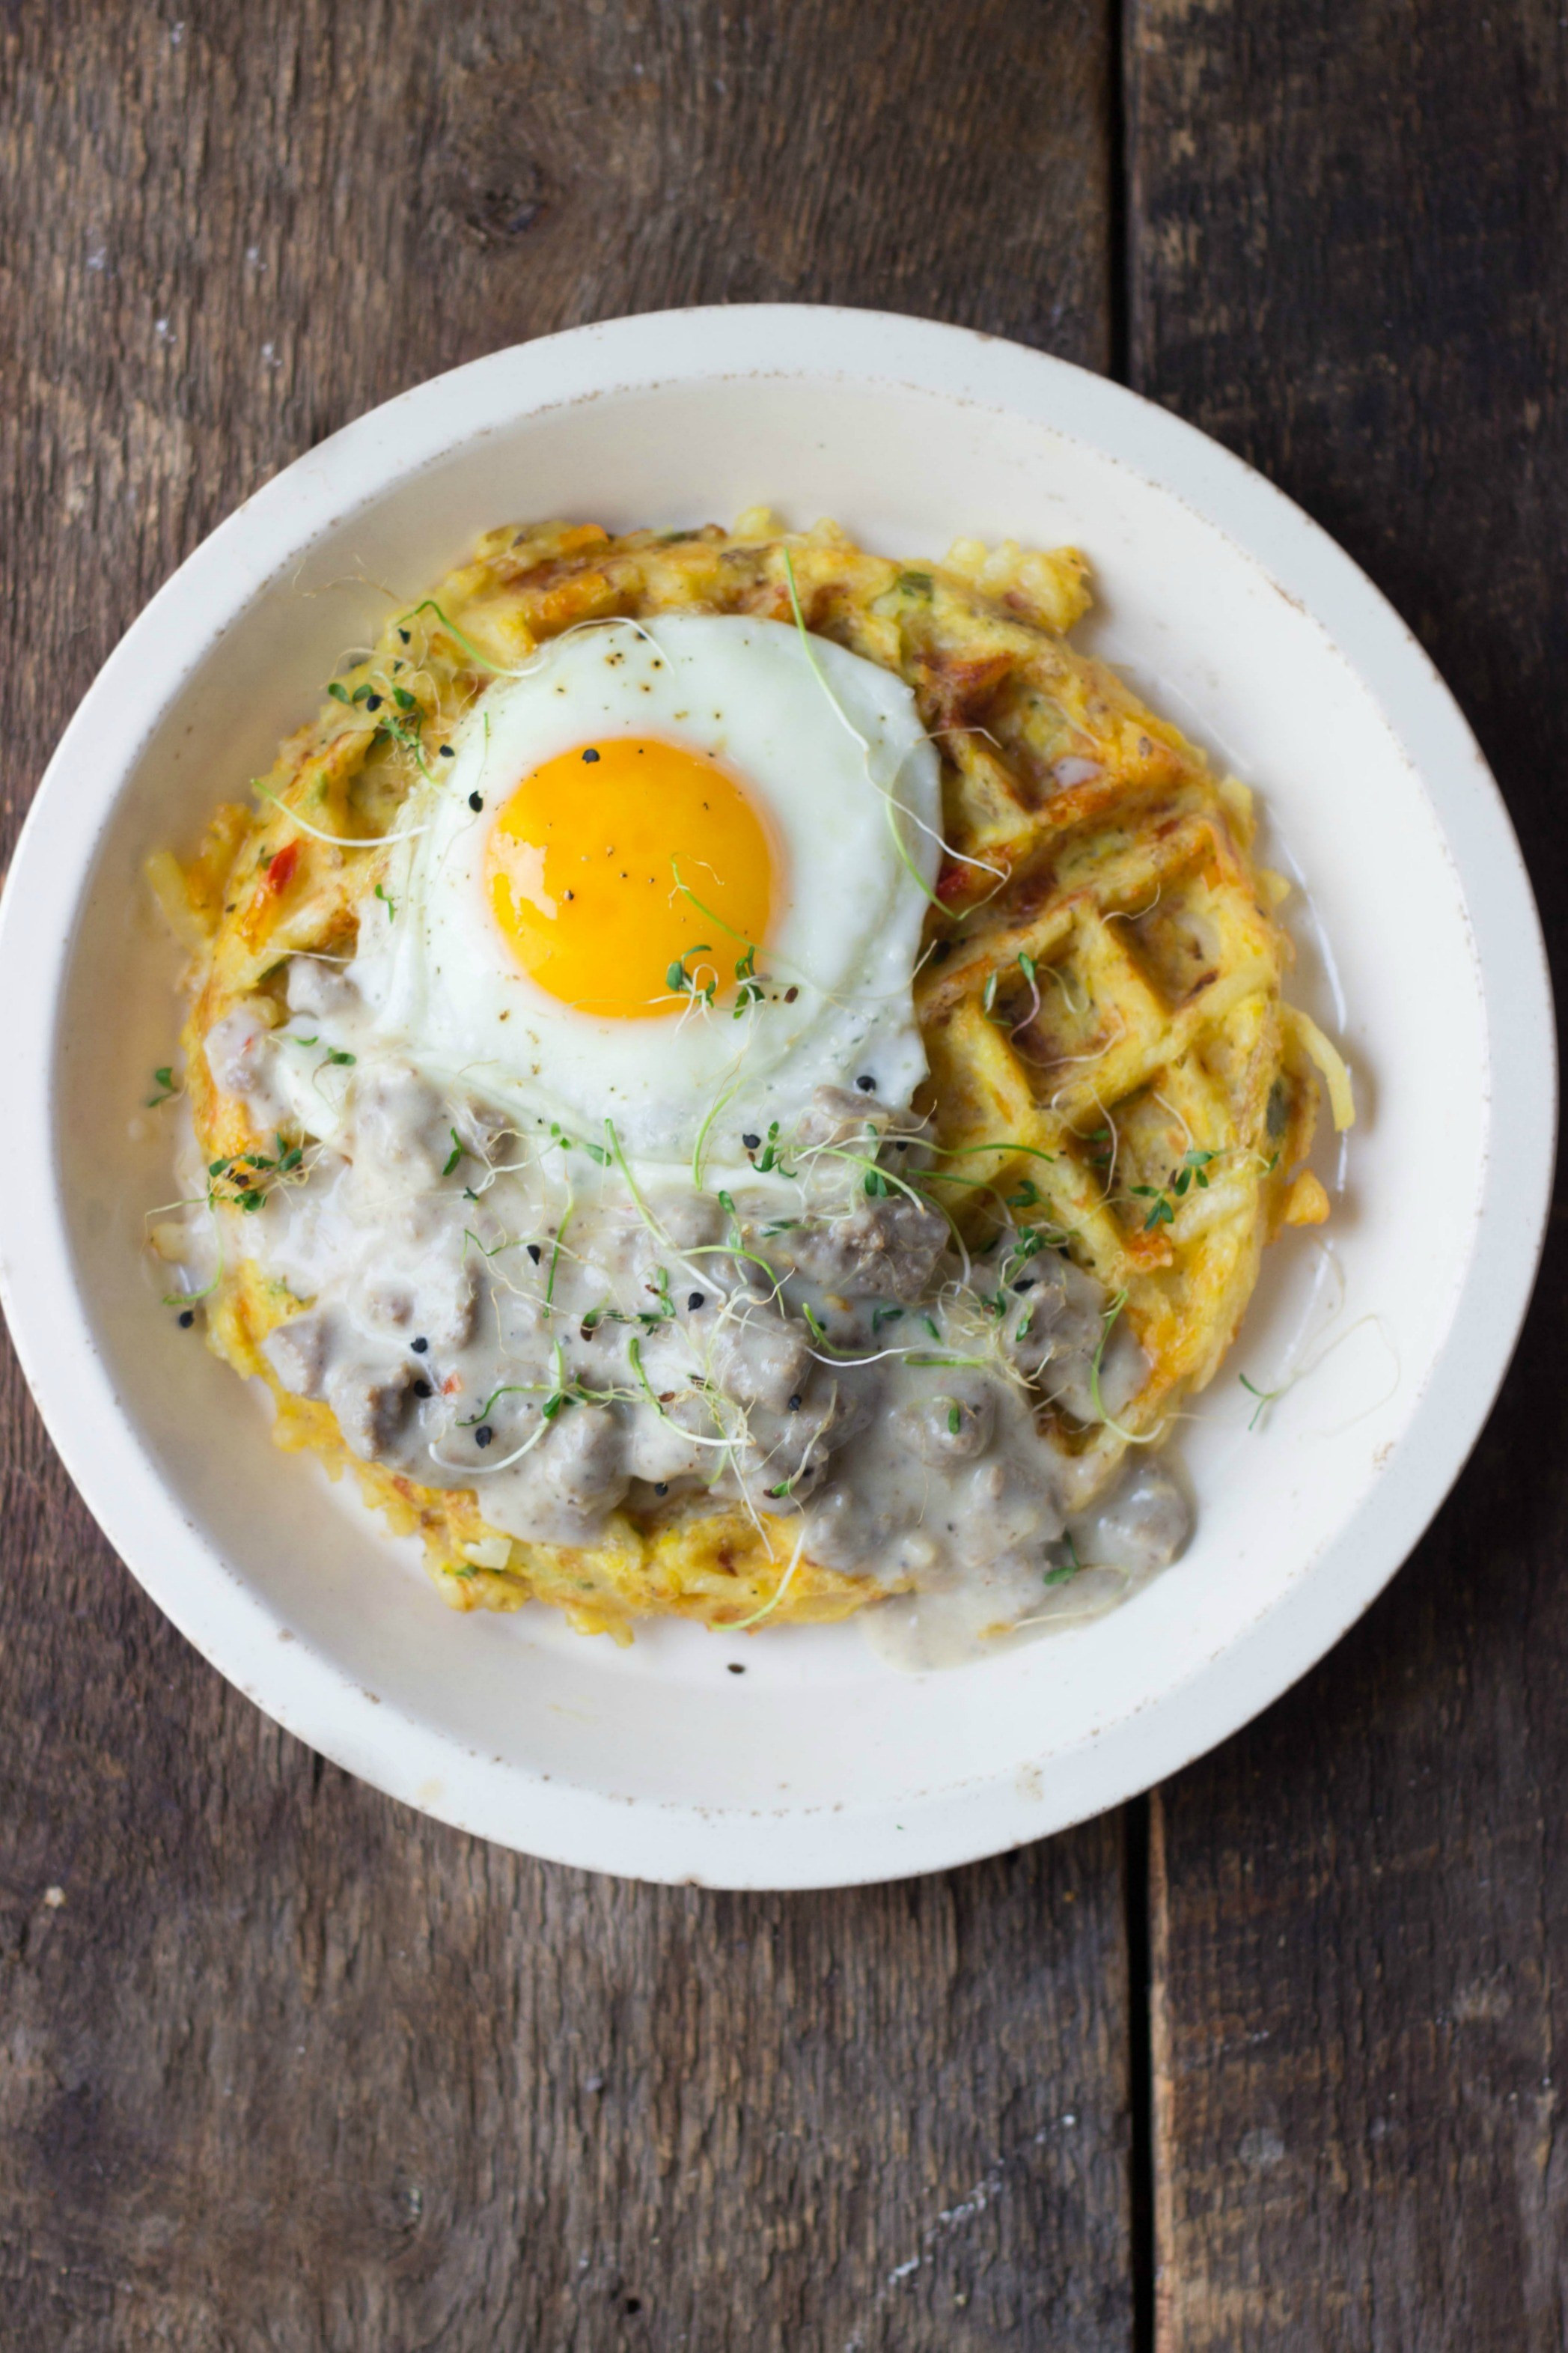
(1110, 1057)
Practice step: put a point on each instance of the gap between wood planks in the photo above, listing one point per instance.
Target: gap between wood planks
(1136, 1822)
(1136, 1815)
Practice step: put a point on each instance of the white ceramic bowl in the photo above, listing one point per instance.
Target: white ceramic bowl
(817, 1765)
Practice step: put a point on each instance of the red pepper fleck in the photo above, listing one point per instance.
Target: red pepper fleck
(950, 882)
(280, 873)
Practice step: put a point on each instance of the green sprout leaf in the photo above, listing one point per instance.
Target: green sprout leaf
(1265, 1399)
(1067, 1569)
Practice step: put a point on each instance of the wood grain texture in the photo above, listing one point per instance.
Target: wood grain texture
(283, 2065)
(1349, 260)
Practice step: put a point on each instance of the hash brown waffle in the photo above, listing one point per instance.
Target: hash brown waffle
(1100, 996)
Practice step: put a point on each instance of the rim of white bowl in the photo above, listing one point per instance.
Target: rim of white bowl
(233, 1627)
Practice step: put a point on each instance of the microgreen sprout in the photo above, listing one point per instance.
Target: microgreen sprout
(1006, 1143)
(407, 738)
(495, 1248)
(555, 1254)
(685, 984)
(892, 806)
(428, 604)
(241, 1180)
(1068, 1569)
(184, 1299)
(830, 1348)
(733, 1249)
(634, 1354)
(750, 990)
(387, 902)
(863, 1161)
(507, 1388)
(459, 1152)
(1026, 966)
(707, 913)
(1113, 1307)
(1163, 1198)
(334, 840)
(615, 1154)
(561, 1141)
(751, 984)
(1162, 1209)
(779, 1591)
(1073, 1006)
(664, 1312)
(699, 1148)
(1265, 1399)
(164, 1080)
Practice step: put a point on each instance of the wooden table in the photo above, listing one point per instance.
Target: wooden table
(1270, 2060)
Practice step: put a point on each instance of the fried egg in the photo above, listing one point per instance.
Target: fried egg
(670, 878)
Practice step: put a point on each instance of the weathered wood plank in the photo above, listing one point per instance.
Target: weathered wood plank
(1349, 261)
(285, 2066)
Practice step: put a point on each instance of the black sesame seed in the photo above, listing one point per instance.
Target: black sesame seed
(941, 951)
(187, 1317)
(534, 1252)
(752, 1142)
(867, 1085)
(661, 1486)
(448, 753)
(419, 1346)
(736, 1667)
(790, 996)
(1027, 1283)
(695, 1301)
(483, 1435)
(590, 756)
(794, 1402)
(423, 1390)
(475, 801)
(372, 703)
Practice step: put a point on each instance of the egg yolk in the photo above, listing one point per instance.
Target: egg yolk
(596, 865)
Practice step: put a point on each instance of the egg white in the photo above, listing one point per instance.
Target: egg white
(847, 783)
